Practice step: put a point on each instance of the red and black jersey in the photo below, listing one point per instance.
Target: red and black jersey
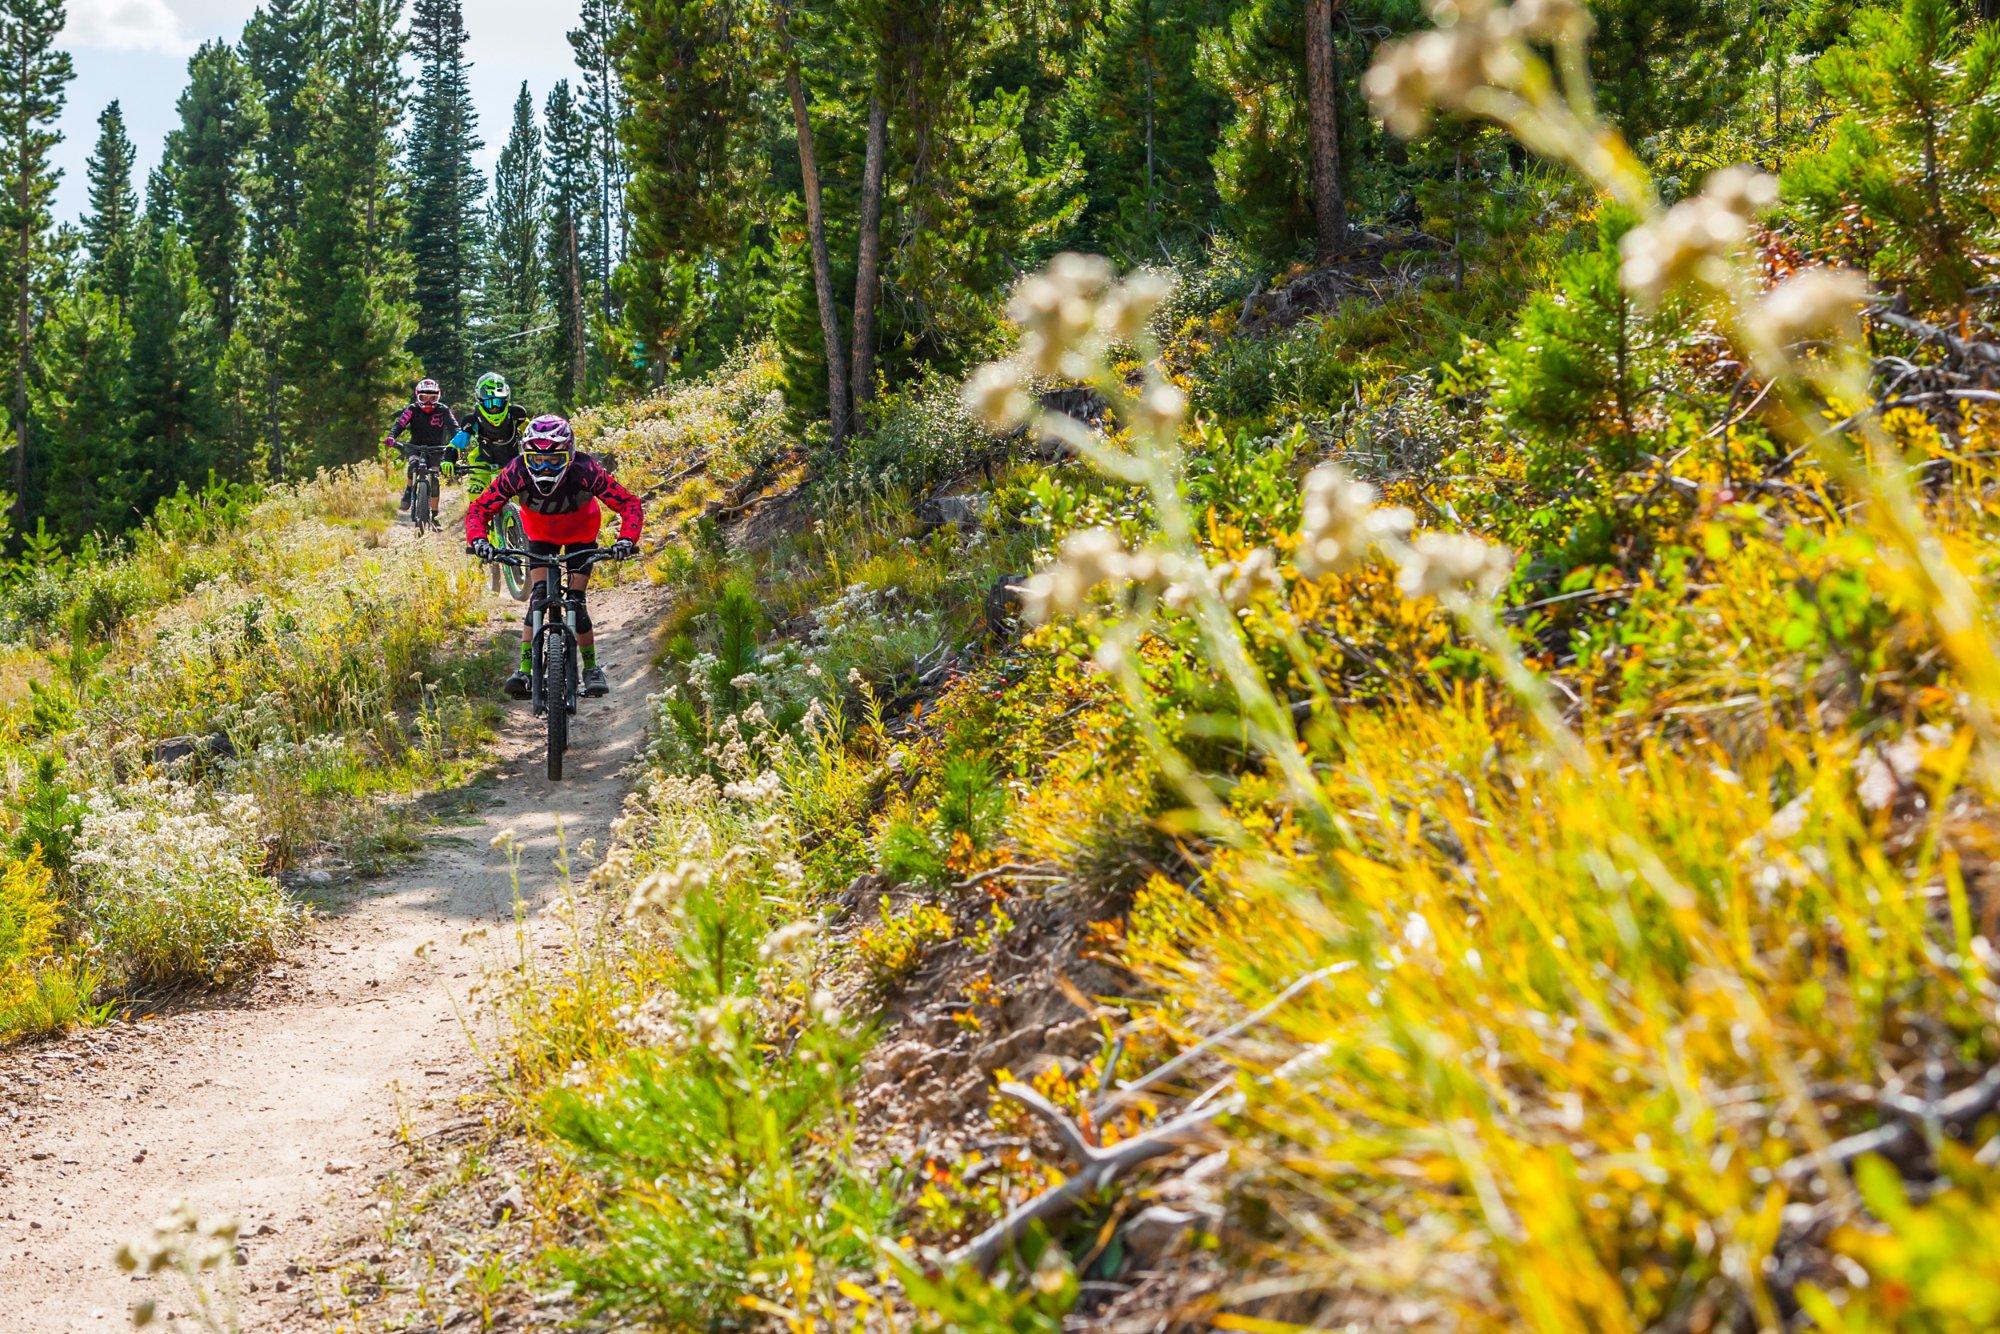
(429, 428)
(568, 515)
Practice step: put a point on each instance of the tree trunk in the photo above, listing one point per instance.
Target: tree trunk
(868, 252)
(829, 313)
(1323, 124)
(273, 420)
(23, 313)
(578, 368)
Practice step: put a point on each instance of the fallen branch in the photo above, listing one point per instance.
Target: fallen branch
(1015, 869)
(1100, 1166)
(1132, 1087)
(1961, 1108)
(1965, 349)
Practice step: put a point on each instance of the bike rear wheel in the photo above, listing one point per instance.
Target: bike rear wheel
(420, 503)
(555, 698)
(513, 539)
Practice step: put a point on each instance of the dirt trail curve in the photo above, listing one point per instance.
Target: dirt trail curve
(278, 1103)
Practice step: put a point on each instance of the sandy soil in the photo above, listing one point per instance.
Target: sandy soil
(281, 1102)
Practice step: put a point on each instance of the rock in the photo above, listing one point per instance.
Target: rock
(212, 746)
(1003, 607)
(335, 1166)
(965, 512)
(511, 1204)
(1159, 1231)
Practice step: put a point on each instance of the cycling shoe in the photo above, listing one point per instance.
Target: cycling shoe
(594, 683)
(516, 686)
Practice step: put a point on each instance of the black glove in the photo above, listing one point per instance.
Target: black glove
(624, 549)
(481, 548)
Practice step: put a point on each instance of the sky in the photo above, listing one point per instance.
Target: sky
(137, 51)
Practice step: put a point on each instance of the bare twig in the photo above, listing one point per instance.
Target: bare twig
(1967, 1105)
(1018, 870)
(1103, 1165)
(1079, 1150)
(1173, 1067)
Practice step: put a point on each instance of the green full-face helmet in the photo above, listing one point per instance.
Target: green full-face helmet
(494, 396)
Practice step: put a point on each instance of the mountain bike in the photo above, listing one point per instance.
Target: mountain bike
(553, 671)
(426, 481)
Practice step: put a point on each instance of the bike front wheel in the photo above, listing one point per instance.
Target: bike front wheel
(513, 539)
(420, 503)
(555, 698)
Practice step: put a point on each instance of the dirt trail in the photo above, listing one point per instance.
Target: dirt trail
(281, 1102)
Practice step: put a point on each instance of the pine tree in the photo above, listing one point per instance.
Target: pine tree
(352, 272)
(34, 72)
(571, 186)
(1261, 58)
(211, 157)
(444, 193)
(1146, 128)
(512, 303)
(1667, 64)
(173, 413)
(81, 399)
(1915, 157)
(691, 87)
(283, 44)
(108, 227)
(595, 41)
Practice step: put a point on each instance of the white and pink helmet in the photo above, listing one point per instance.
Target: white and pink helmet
(548, 447)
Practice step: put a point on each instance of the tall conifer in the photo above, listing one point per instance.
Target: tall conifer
(34, 74)
(444, 193)
(108, 227)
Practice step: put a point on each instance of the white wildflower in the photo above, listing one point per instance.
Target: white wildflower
(786, 939)
(1161, 408)
(1256, 573)
(1340, 521)
(1057, 309)
(1811, 304)
(1696, 237)
(1412, 77)
(825, 1007)
(1549, 20)
(662, 891)
(997, 397)
(755, 790)
(1441, 563)
(1417, 932)
(1126, 312)
(1086, 559)
(743, 680)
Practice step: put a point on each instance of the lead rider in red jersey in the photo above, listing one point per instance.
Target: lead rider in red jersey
(560, 490)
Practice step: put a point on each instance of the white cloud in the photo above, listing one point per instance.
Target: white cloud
(125, 25)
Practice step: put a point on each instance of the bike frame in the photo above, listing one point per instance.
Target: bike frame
(425, 463)
(561, 628)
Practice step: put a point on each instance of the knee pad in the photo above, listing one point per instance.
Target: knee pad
(582, 612)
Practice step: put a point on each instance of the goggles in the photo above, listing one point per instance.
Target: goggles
(546, 462)
(493, 402)
(427, 397)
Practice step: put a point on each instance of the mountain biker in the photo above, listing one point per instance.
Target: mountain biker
(491, 436)
(559, 490)
(432, 425)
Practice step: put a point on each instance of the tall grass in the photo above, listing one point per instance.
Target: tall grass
(301, 668)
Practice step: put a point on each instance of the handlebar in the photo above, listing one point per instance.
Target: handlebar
(570, 563)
